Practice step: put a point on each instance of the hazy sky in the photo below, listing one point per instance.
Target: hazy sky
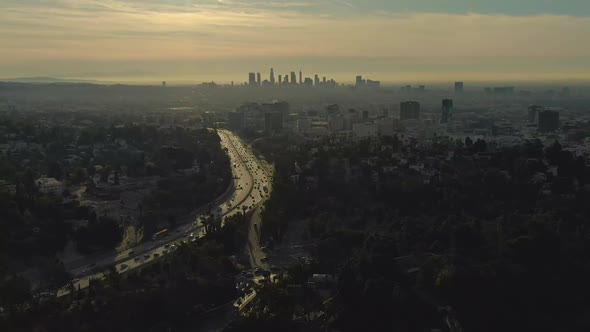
(390, 40)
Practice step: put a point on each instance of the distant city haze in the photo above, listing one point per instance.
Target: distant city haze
(184, 41)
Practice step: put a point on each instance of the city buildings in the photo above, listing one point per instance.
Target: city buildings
(458, 87)
(272, 77)
(359, 82)
(365, 130)
(548, 121)
(533, 115)
(252, 79)
(447, 110)
(503, 90)
(304, 126)
(409, 110)
(258, 79)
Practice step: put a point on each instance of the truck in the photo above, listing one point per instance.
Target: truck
(160, 234)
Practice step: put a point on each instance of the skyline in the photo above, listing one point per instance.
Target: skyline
(392, 41)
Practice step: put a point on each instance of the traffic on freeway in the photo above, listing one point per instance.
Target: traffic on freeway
(249, 191)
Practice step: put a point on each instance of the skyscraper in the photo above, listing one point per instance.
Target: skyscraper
(293, 78)
(300, 77)
(316, 80)
(447, 110)
(359, 81)
(272, 77)
(534, 111)
(280, 79)
(409, 110)
(458, 87)
(258, 79)
(548, 121)
(252, 79)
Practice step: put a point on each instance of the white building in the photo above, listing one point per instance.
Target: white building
(364, 130)
(304, 126)
(50, 186)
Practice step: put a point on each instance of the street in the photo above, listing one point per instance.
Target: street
(248, 192)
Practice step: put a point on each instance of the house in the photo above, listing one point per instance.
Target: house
(50, 186)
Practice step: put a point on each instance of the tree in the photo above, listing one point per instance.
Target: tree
(29, 183)
(15, 290)
(55, 170)
(212, 224)
(78, 176)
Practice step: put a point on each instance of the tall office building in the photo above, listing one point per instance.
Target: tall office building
(458, 87)
(447, 110)
(316, 80)
(258, 79)
(359, 81)
(252, 79)
(409, 110)
(300, 77)
(534, 111)
(548, 121)
(280, 79)
(286, 79)
(272, 77)
(293, 78)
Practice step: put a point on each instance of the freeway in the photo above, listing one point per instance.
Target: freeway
(251, 185)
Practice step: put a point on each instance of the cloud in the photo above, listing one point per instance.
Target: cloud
(183, 30)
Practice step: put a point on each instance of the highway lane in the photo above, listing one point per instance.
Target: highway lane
(249, 182)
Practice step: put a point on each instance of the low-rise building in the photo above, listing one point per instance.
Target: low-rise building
(50, 186)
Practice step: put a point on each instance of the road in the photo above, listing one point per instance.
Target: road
(249, 183)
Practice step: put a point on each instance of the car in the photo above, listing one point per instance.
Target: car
(264, 259)
(191, 235)
(136, 259)
(146, 256)
(167, 246)
(124, 266)
(185, 235)
(156, 255)
(131, 252)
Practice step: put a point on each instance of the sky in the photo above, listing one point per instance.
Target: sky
(408, 41)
